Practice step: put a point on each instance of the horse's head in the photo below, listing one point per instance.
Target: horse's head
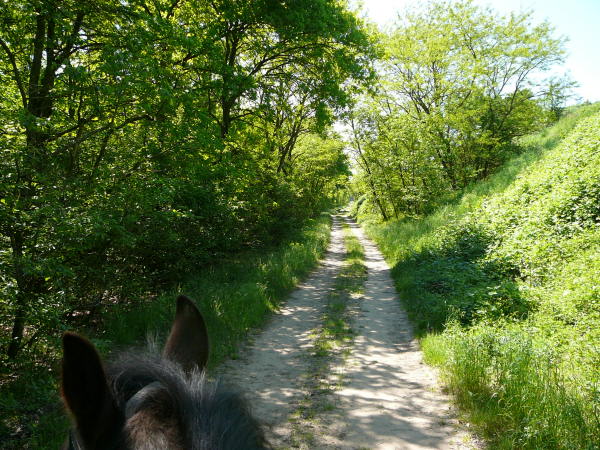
(153, 401)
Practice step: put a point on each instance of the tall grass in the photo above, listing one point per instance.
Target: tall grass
(513, 388)
(234, 296)
(502, 285)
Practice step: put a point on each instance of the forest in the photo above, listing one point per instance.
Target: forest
(159, 146)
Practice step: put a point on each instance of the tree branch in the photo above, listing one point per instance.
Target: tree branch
(16, 74)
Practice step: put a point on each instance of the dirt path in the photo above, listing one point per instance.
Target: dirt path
(271, 370)
(388, 398)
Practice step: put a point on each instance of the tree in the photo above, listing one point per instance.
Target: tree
(458, 84)
(133, 131)
(320, 170)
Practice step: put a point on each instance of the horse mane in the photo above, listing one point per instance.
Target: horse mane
(208, 415)
(150, 400)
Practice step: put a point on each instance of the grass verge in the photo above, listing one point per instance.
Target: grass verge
(234, 296)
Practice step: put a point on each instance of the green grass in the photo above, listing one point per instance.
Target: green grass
(335, 330)
(513, 388)
(502, 287)
(234, 296)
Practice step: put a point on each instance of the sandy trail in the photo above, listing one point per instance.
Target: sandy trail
(388, 399)
(271, 370)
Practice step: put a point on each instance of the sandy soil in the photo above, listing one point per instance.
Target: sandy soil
(389, 399)
(271, 370)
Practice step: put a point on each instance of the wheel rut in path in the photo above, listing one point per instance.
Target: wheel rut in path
(271, 369)
(390, 398)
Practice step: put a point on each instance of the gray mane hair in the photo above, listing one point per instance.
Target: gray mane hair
(208, 414)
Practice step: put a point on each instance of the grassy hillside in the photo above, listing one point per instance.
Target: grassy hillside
(503, 286)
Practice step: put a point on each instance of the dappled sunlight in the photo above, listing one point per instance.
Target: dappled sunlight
(389, 394)
(272, 370)
(387, 398)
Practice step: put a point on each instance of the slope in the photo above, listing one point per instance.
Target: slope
(503, 288)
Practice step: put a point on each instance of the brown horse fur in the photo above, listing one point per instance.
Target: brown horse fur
(148, 401)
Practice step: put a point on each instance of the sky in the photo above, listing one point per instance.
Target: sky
(578, 20)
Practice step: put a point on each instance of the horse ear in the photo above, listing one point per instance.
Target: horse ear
(85, 390)
(188, 341)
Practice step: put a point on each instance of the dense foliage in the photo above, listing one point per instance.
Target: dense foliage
(510, 275)
(234, 295)
(149, 145)
(458, 83)
(142, 140)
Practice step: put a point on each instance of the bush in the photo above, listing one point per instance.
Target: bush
(234, 296)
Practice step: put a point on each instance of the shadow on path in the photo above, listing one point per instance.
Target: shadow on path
(390, 398)
(271, 370)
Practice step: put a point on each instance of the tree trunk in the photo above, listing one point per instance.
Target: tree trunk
(369, 175)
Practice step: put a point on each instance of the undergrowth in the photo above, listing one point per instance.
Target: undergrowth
(502, 287)
(234, 296)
